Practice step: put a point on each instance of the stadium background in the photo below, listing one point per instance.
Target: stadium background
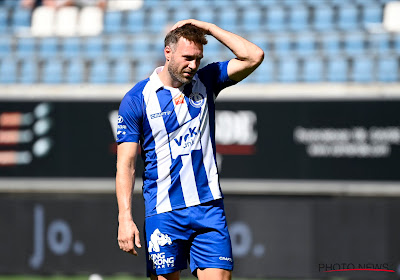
(308, 145)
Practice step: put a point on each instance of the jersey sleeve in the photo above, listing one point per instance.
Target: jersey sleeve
(130, 119)
(216, 75)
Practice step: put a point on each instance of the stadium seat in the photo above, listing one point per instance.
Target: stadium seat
(337, 69)
(180, 14)
(21, 19)
(113, 22)
(26, 47)
(43, 18)
(313, 69)
(48, 47)
(276, 18)
(143, 70)
(379, 43)
(391, 19)
(331, 43)
(228, 18)
(354, 43)
(6, 46)
(305, 44)
(117, 47)
(71, 47)
(157, 20)
(140, 47)
(99, 72)
(264, 73)
(93, 47)
(10, 3)
(371, 13)
(29, 71)
(122, 72)
(90, 21)
(288, 70)
(252, 18)
(323, 17)
(204, 14)
(8, 71)
(363, 69)
(66, 21)
(52, 71)
(135, 21)
(282, 44)
(347, 17)
(396, 43)
(262, 41)
(298, 17)
(388, 69)
(75, 71)
(3, 20)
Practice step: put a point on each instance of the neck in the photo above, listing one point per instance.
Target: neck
(167, 79)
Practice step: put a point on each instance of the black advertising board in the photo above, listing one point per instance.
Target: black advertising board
(293, 237)
(325, 140)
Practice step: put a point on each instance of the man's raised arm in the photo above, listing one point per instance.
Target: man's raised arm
(248, 55)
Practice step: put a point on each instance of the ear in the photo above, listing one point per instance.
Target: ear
(168, 52)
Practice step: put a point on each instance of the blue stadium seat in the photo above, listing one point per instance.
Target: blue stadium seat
(3, 20)
(264, 73)
(135, 21)
(10, 3)
(117, 47)
(70, 47)
(298, 17)
(52, 71)
(323, 18)
(313, 69)
(29, 71)
(388, 69)
(347, 17)
(396, 42)
(113, 21)
(363, 69)
(99, 72)
(354, 43)
(180, 14)
(122, 72)
(8, 71)
(337, 69)
(157, 20)
(331, 43)
(75, 71)
(282, 44)
(6, 46)
(305, 44)
(26, 47)
(204, 14)
(48, 47)
(252, 18)
(379, 43)
(288, 70)
(228, 18)
(21, 19)
(371, 13)
(212, 48)
(276, 18)
(140, 47)
(262, 41)
(143, 70)
(93, 47)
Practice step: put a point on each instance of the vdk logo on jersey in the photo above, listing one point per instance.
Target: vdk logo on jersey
(158, 239)
(196, 99)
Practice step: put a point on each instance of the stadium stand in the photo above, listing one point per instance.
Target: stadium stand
(305, 40)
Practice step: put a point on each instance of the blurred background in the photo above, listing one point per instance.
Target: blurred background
(308, 145)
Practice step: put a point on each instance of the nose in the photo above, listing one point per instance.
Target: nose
(193, 64)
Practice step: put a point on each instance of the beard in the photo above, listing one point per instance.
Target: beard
(176, 74)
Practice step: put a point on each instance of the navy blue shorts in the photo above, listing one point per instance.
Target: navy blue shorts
(197, 234)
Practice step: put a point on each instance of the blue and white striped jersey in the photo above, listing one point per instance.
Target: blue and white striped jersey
(175, 127)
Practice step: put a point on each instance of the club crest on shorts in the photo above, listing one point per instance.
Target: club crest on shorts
(158, 239)
(196, 99)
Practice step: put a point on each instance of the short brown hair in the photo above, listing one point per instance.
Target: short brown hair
(189, 32)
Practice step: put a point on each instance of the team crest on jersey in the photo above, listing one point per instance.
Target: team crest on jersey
(196, 99)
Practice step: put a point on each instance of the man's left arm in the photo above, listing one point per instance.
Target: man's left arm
(248, 55)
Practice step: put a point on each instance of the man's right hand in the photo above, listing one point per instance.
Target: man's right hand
(128, 236)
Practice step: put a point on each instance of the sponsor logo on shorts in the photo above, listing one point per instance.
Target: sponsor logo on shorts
(161, 261)
(158, 239)
(225, 259)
